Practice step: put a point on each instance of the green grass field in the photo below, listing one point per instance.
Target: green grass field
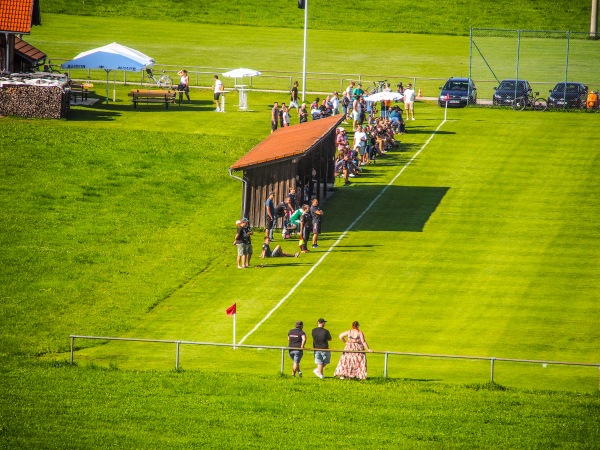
(119, 223)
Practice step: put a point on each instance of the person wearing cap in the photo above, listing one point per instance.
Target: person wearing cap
(358, 91)
(270, 215)
(240, 242)
(296, 342)
(321, 337)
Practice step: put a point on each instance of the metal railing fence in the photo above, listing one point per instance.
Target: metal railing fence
(386, 354)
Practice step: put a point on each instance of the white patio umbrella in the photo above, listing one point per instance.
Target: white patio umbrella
(110, 57)
(241, 73)
(383, 96)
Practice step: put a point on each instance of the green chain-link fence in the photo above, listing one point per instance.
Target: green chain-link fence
(544, 58)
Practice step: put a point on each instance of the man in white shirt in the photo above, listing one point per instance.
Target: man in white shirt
(409, 102)
(218, 89)
(360, 144)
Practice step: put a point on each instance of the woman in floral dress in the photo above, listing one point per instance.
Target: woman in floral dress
(353, 365)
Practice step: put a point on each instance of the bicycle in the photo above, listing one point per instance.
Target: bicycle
(162, 82)
(530, 101)
(378, 86)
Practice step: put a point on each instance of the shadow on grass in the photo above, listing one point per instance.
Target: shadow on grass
(400, 208)
(92, 115)
(426, 130)
(104, 112)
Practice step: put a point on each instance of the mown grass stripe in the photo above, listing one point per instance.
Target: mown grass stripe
(338, 240)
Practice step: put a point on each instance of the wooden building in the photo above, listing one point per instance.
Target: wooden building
(16, 18)
(300, 156)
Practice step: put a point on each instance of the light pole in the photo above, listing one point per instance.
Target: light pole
(594, 19)
(305, 5)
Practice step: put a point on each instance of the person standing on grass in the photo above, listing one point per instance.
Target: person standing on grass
(270, 215)
(274, 116)
(303, 113)
(305, 228)
(184, 84)
(296, 342)
(248, 241)
(218, 90)
(321, 337)
(317, 216)
(409, 102)
(240, 243)
(351, 364)
(294, 96)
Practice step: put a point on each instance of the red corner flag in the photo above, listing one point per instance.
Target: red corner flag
(231, 310)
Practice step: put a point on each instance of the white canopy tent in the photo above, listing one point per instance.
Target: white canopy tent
(110, 57)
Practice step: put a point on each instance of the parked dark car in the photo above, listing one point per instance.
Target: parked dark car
(460, 92)
(509, 90)
(568, 95)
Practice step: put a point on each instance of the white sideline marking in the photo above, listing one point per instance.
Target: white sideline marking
(360, 216)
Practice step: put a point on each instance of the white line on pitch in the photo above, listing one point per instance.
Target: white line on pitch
(360, 216)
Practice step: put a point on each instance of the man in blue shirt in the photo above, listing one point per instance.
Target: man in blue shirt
(270, 215)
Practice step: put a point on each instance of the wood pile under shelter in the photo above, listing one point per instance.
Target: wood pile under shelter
(300, 156)
(42, 95)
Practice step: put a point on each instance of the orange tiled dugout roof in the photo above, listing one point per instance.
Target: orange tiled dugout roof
(288, 142)
(28, 51)
(15, 16)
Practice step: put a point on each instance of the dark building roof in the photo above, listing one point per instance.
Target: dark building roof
(16, 16)
(28, 52)
(288, 142)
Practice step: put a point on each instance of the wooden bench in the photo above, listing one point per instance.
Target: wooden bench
(156, 96)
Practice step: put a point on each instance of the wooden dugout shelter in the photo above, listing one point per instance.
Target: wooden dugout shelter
(300, 156)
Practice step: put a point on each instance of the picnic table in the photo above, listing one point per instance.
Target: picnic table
(152, 96)
(81, 90)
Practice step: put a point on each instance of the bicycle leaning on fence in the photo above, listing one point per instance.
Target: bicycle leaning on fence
(164, 81)
(378, 86)
(531, 100)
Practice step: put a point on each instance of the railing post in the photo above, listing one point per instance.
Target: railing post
(492, 370)
(73, 347)
(385, 365)
(177, 355)
(282, 359)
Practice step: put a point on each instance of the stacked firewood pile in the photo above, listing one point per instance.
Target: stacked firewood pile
(26, 96)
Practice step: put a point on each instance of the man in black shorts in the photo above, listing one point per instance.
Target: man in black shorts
(317, 215)
(321, 338)
(296, 341)
(305, 228)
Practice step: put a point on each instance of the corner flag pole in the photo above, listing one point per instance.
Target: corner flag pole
(231, 311)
